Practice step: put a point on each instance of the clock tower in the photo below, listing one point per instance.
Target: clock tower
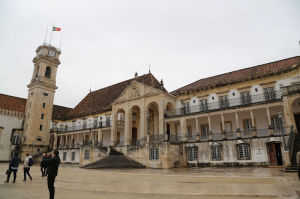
(39, 105)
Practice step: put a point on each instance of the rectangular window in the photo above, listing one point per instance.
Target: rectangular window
(276, 122)
(243, 152)
(189, 130)
(41, 127)
(247, 124)
(42, 116)
(245, 98)
(224, 103)
(216, 153)
(192, 153)
(64, 156)
(153, 154)
(204, 129)
(44, 105)
(186, 107)
(73, 156)
(86, 154)
(203, 105)
(269, 94)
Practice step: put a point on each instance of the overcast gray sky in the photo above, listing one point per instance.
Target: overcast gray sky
(105, 42)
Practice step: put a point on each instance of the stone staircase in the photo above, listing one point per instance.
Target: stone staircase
(115, 160)
(294, 167)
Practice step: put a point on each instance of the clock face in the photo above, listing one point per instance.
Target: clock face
(51, 53)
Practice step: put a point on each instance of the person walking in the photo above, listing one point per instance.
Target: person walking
(13, 167)
(43, 167)
(52, 166)
(28, 162)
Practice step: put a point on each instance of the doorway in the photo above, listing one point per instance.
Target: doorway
(134, 135)
(274, 153)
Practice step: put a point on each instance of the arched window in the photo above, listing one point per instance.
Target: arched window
(39, 139)
(48, 72)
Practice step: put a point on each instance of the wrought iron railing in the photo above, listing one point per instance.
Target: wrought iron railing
(224, 104)
(229, 135)
(103, 124)
(137, 144)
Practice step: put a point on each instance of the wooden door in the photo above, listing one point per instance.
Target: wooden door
(272, 153)
(134, 135)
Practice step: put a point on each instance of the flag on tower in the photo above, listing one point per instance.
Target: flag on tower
(56, 29)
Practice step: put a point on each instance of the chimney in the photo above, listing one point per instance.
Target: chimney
(135, 75)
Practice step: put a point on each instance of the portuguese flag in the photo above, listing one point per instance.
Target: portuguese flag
(56, 29)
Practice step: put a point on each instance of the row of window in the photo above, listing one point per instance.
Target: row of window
(243, 152)
(276, 123)
(245, 98)
(64, 157)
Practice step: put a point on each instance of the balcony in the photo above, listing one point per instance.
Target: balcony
(104, 124)
(226, 104)
(229, 135)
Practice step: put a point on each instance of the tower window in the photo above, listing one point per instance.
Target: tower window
(41, 127)
(44, 105)
(48, 72)
(42, 116)
(46, 94)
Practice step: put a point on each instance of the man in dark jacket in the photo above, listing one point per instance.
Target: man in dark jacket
(13, 167)
(43, 166)
(52, 166)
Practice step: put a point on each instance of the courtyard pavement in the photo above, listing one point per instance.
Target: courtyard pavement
(201, 183)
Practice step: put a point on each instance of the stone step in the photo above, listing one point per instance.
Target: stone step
(114, 161)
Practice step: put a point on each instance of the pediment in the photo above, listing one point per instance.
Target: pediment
(136, 90)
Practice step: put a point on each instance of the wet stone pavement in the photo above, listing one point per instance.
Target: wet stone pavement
(201, 183)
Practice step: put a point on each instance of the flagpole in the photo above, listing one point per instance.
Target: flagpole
(46, 35)
(51, 35)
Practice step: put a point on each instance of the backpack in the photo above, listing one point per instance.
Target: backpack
(30, 162)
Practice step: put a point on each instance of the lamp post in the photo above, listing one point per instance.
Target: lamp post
(279, 114)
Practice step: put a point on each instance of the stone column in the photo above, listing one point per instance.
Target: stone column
(127, 128)
(183, 129)
(252, 119)
(237, 121)
(114, 129)
(223, 122)
(197, 126)
(268, 116)
(72, 138)
(142, 121)
(55, 141)
(287, 113)
(61, 141)
(161, 118)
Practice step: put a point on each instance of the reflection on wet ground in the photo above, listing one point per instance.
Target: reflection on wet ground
(182, 183)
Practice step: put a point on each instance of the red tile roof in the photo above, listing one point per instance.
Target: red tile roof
(102, 99)
(12, 103)
(18, 104)
(242, 75)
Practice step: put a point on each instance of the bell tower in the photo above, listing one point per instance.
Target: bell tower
(39, 105)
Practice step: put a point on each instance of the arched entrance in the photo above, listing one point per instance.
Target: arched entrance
(135, 115)
(153, 118)
(274, 153)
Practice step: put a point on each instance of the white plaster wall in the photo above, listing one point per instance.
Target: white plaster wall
(229, 151)
(259, 90)
(178, 104)
(8, 123)
(69, 156)
(212, 98)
